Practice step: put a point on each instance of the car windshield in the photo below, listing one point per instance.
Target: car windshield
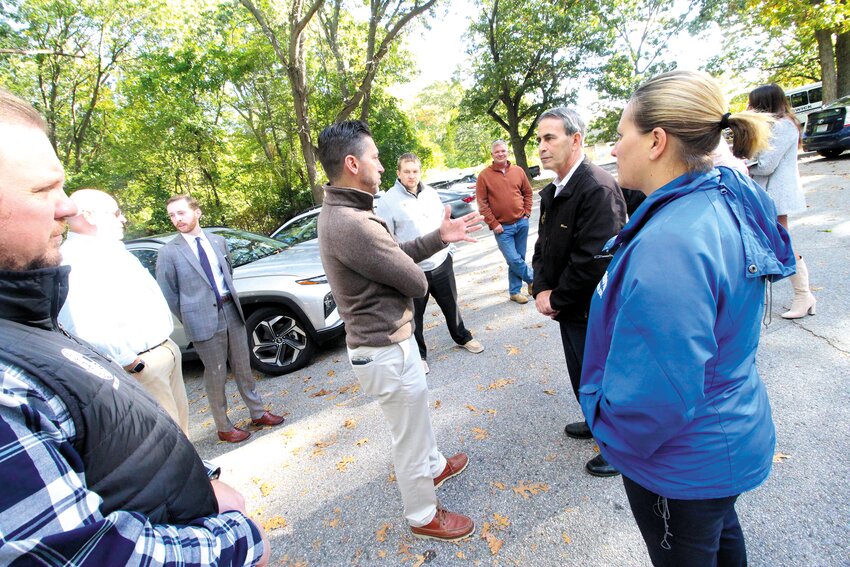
(246, 247)
(299, 231)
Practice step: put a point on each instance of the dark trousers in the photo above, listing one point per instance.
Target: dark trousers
(572, 337)
(696, 533)
(441, 285)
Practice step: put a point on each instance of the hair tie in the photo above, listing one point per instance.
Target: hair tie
(724, 122)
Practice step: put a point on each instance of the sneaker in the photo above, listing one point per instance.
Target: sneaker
(519, 298)
(446, 526)
(454, 466)
(473, 346)
(425, 366)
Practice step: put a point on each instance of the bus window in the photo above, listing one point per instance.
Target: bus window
(798, 99)
(815, 95)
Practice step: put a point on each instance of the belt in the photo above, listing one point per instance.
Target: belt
(153, 347)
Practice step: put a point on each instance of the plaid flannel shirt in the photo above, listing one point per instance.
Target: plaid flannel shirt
(49, 516)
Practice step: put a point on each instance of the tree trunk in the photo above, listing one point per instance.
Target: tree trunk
(842, 63)
(826, 56)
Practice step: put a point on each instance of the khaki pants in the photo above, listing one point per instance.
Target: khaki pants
(162, 378)
(394, 375)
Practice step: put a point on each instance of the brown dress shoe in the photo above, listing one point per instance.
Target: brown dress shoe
(454, 466)
(446, 526)
(235, 435)
(268, 418)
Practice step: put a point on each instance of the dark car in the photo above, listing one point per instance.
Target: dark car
(283, 291)
(460, 198)
(828, 129)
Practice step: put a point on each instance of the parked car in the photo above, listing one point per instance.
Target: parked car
(302, 227)
(460, 198)
(288, 306)
(827, 130)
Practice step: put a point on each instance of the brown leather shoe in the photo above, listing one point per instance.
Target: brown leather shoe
(454, 466)
(235, 435)
(268, 418)
(446, 526)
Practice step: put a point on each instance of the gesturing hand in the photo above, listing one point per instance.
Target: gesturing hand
(455, 230)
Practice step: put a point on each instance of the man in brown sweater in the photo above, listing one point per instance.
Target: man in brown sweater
(374, 280)
(504, 198)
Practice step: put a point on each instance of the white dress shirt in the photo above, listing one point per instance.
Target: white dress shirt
(211, 256)
(113, 301)
(561, 183)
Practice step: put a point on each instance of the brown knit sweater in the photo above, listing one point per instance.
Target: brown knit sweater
(372, 277)
(503, 198)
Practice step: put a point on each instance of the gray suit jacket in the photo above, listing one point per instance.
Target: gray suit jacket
(186, 288)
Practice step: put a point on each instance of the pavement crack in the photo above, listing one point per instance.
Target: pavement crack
(827, 340)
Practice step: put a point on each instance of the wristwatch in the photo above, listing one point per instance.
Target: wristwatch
(138, 367)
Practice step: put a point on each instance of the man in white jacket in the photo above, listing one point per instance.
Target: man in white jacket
(116, 305)
(412, 209)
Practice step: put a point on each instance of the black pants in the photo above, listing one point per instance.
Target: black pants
(441, 285)
(572, 337)
(696, 533)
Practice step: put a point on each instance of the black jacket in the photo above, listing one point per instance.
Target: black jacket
(132, 453)
(573, 228)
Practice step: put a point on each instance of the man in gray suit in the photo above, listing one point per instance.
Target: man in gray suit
(195, 273)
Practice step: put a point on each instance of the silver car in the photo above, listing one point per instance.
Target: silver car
(288, 305)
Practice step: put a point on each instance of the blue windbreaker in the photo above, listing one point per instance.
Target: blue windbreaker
(670, 387)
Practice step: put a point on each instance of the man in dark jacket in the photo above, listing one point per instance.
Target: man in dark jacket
(579, 212)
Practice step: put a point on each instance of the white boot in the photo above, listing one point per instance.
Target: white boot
(804, 302)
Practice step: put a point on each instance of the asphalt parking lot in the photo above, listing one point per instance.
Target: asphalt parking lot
(323, 484)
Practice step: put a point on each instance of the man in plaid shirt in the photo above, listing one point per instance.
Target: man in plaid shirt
(48, 512)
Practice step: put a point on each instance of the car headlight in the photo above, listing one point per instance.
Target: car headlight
(316, 280)
(330, 304)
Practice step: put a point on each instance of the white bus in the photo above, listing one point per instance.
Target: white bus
(805, 100)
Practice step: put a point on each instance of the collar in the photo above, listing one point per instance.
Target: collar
(399, 186)
(190, 238)
(34, 297)
(347, 197)
(561, 183)
(494, 168)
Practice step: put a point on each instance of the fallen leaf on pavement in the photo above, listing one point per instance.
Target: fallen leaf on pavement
(512, 350)
(498, 384)
(343, 464)
(334, 522)
(382, 553)
(437, 404)
(331, 373)
(362, 441)
(320, 393)
(471, 407)
(353, 388)
(274, 523)
(381, 534)
(350, 423)
(780, 457)
(550, 392)
(494, 543)
(480, 434)
(528, 490)
(501, 522)
(266, 488)
(566, 538)
(499, 485)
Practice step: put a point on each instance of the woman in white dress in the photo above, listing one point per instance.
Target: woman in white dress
(777, 172)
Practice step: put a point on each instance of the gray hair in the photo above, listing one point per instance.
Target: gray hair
(571, 120)
(498, 143)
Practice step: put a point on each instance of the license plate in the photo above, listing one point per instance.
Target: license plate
(821, 128)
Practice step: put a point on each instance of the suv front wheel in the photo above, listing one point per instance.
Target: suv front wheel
(278, 342)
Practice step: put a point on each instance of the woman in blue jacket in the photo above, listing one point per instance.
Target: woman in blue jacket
(670, 387)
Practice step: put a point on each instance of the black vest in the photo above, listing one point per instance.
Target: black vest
(133, 455)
